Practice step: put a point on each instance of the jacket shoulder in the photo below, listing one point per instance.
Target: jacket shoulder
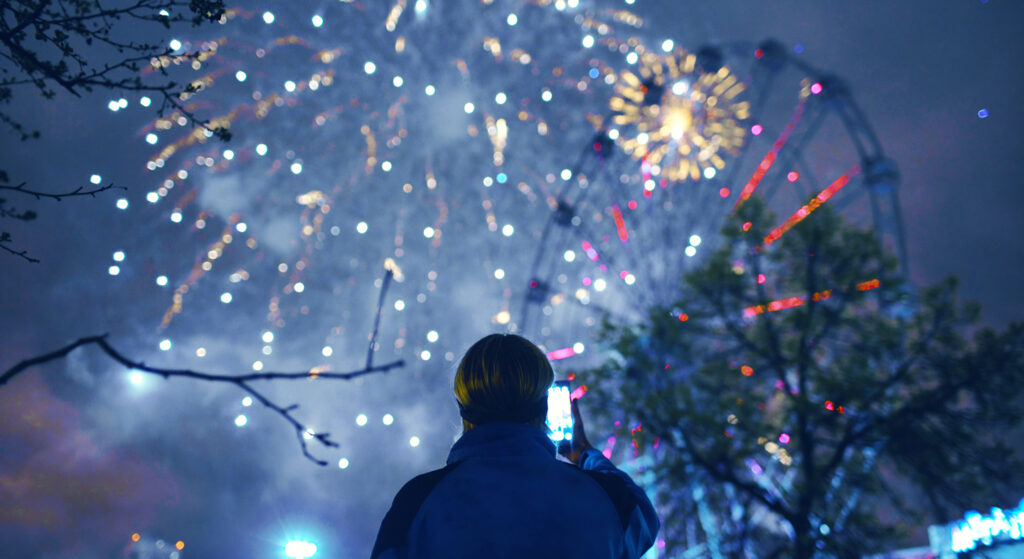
(624, 500)
(394, 530)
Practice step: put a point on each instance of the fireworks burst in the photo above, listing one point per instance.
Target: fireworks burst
(682, 114)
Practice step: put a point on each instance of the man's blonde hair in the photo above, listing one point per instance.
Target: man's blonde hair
(501, 375)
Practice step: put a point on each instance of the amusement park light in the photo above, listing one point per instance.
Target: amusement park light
(299, 549)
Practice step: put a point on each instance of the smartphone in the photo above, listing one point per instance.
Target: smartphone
(559, 419)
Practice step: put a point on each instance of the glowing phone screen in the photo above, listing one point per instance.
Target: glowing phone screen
(559, 419)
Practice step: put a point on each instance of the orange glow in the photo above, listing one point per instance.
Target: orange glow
(136, 536)
(747, 370)
(620, 224)
(683, 317)
(809, 207)
(180, 545)
(868, 285)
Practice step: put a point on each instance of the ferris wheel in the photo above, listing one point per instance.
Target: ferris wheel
(686, 138)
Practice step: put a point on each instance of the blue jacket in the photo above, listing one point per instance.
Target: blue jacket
(504, 494)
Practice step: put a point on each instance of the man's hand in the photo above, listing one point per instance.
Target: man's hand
(579, 437)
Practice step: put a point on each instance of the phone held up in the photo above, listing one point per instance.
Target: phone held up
(559, 420)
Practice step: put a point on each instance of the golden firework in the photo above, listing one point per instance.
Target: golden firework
(680, 119)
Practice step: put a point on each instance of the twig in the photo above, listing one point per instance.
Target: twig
(380, 310)
(242, 381)
(22, 253)
(80, 191)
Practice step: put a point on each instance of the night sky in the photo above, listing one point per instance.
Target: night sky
(372, 164)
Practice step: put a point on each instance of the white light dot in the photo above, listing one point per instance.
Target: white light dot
(161, 280)
(667, 45)
(578, 347)
(425, 355)
(385, 166)
(113, 106)
(690, 251)
(508, 230)
(566, 174)
(268, 17)
(174, 44)
(709, 173)
(317, 20)
(119, 256)
(397, 81)
(361, 419)
(241, 420)
(399, 305)
(630, 279)
(432, 336)
(500, 98)
(113, 270)
(241, 227)
(95, 179)
(229, 155)
(240, 76)
(268, 337)
(361, 227)
(600, 284)
(122, 102)
(257, 365)
(299, 287)
(613, 134)
(488, 181)
(588, 41)
(695, 240)
(512, 19)
(261, 149)
(468, 107)
(176, 217)
(225, 297)
(499, 274)
(152, 138)
(388, 419)
(327, 351)
(165, 344)
(343, 463)
(296, 168)
(545, 95)
(569, 255)
(631, 58)
(369, 67)
(679, 88)
(428, 232)
(414, 441)
(145, 101)
(135, 377)
(200, 352)
(267, 350)
(429, 90)
(247, 401)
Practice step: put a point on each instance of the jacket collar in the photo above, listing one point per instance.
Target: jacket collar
(502, 439)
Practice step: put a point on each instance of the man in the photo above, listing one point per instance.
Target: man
(504, 494)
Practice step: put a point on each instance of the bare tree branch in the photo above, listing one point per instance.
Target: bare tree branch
(80, 191)
(242, 381)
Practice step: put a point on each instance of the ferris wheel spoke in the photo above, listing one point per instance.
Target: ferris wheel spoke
(769, 158)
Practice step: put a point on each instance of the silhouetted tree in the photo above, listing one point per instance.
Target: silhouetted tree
(80, 46)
